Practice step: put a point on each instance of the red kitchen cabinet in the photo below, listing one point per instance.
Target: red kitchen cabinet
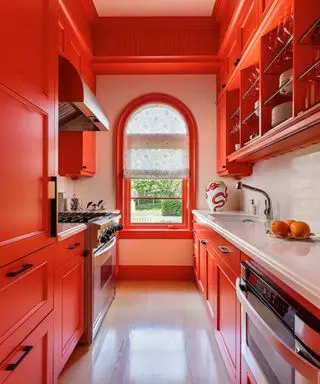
(32, 360)
(265, 59)
(246, 375)
(68, 309)
(196, 256)
(212, 279)
(26, 293)
(27, 91)
(227, 320)
(77, 153)
(203, 268)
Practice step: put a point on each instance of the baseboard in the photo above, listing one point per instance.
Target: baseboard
(156, 272)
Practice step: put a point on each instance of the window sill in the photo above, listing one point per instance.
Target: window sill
(156, 234)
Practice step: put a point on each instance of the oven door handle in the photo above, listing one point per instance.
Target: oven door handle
(105, 248)
(293, 358)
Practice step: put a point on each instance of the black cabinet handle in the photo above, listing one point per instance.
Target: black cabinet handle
(224, 166)
(26, 350)
(84, 167)
(73, 246)
(236, 62)
(224, 249)
(24, 268)
(203, 242)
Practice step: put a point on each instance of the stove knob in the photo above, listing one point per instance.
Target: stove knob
(104, 238)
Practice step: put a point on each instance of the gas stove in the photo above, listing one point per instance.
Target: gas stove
(83, 217)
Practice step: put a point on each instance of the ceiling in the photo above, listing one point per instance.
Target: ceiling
(149, 8)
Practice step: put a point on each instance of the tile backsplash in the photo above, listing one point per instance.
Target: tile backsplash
(293, 183)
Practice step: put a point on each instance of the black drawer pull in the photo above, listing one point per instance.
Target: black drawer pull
(26, 350)
(84, 167)
(24, 268)
(203, 242)
(224, 249)
(73, 246)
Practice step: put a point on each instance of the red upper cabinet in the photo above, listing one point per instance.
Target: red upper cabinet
(77, 153)
(27, 135)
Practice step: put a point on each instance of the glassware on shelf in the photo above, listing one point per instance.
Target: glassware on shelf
(312, 34)
(235, 129)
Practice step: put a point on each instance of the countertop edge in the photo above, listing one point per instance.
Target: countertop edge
(301, 286)
(65, 234)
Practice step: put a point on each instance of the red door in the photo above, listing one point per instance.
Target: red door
(211, 281)
(27, 91)
(203, 268)
(221, 135)
(68, 310)
(89, 152)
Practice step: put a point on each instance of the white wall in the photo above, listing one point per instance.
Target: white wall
(114, 93)
(293, 183)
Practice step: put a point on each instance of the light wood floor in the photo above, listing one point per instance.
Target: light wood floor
(154, 333)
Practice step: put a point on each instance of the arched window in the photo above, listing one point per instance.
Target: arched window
(156, 142)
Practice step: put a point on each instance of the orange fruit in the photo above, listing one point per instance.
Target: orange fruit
(290, 221)
(280, 228)
(300, 229)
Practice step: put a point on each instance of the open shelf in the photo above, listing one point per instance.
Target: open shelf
(308, 37)
(277, 92)
(252, 140)
(252, 116)
(271, 67)
(311, 73)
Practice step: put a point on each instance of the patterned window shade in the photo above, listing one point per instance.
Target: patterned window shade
(156, 144)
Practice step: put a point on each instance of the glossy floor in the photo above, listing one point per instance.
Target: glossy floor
(155, 332)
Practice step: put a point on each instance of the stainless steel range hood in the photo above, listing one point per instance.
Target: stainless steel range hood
(79, 110)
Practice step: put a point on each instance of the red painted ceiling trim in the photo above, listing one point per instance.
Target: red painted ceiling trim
(162, 22)
(156, 65)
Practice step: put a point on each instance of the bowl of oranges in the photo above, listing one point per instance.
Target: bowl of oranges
(291, 229)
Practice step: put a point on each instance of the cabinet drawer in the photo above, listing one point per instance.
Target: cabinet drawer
(26, 293)
(69, 248)
(31, 361)
(226, 251)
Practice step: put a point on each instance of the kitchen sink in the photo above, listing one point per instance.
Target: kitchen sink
(236, 217)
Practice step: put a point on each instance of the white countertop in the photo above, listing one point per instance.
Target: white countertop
(297, 263)
(65, 230)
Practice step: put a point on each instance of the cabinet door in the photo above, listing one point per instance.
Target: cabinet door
(227, 320)
(211, 281)
(221, 135)
(77, 153)
(89, 152)
(203, 269)
(26, 291)
(27, 87)
(196, 256)
(32, 360)
(68, 310)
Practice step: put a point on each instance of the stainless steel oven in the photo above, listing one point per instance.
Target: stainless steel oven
(280, 338)
(104, 284)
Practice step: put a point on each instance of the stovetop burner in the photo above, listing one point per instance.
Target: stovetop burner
(81, 217)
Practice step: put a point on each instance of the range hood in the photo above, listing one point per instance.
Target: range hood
(79, 110)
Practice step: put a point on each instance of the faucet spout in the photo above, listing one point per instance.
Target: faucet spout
(268, 209)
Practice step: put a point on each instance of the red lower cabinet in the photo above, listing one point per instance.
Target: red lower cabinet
(212, 288)
(227, 320)
(203, 268)
(32, 360)
(68, 309)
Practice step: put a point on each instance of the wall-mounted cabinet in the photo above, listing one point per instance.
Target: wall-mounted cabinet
(77, 153)
(272, 97)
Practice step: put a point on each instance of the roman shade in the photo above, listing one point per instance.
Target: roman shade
(156, 144)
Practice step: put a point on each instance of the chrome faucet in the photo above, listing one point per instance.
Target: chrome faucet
(268, 209)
